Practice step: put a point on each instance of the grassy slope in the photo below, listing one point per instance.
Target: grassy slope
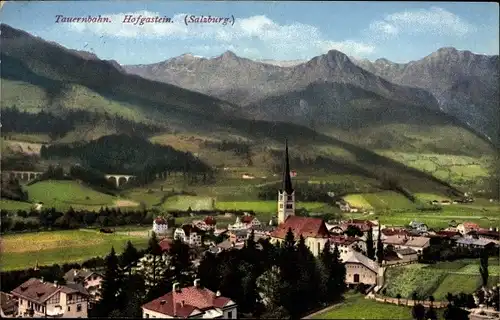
(48, 248)
(356, 306)
(439, 279)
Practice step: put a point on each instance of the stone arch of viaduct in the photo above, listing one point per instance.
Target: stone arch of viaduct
(117, 179)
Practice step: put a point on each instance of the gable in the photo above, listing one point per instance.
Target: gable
(362, 265)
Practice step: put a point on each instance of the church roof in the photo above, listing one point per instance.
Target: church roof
(287, 180)
(305, 226)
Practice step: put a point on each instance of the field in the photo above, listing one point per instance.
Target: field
(65, 193)
(6, 204)
(456, 169)
(439, 279)
(356, 306)
(46, 248)
(481, 211)
(379, 200)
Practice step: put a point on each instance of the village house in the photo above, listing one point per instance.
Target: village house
(419, 226)
(210, 222)
(393, 231)
(394, 241)
(160, 225)
(345, 245)
(237, 236)
(189, 235)
(247, 221)
(475, 243)
(44, 299)
(361, 269)
(313, 230)
(190, 302)
(487, 234)
(363, 225)
(8, 305)
(334, 229)
(89, 279)
(466, 227)
(247, 176)
(417, 243)
(407, 255)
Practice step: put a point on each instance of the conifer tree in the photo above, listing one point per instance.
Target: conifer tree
(339, 271)
(153, 267)
(129, 257)
(181, 266)
(111, 286)
(370, 249)
(380, 247)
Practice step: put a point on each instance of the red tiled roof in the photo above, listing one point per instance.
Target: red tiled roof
(363, 225)
(210, 221)
(342, 240)
(447, 234)
(187, 300)
(39, 291)
(247, 219)
(394, 231)
(165, 244)
(489, 233)
(160, 220)
(305, 226)
(471, 225)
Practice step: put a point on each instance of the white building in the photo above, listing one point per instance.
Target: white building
(39, 299)
(160, 225)
(188, 234)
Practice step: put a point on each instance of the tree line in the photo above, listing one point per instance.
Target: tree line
(11, 189)
(52, 219)
(309, 191)
(132, 155)
(57, 126)
(274, 281)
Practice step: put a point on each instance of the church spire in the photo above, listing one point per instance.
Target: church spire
(287, 180)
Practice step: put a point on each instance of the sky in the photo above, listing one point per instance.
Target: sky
(398, 31)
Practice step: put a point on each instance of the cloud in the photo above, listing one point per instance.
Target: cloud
(436, 21)
(255, 35)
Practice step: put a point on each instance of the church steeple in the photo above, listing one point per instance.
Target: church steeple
(287, 180)
(286, 196)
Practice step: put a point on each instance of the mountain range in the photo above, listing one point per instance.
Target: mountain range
(457, 83)
(330, 107)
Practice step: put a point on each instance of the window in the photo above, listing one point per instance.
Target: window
(281, 197)
(230, 315)
(70, 297)
(289, 206)
(281, 205)
(69, 308)
(290, 198)
(147, 315)
(78, 308)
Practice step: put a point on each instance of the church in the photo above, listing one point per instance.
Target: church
(313, 230)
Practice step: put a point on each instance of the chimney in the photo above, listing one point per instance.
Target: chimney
(217, 294)
(55, 283)
(175, 287)
(75, 272)
(162, 302)
(197, 283)
(182, 303)
(41, 279)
